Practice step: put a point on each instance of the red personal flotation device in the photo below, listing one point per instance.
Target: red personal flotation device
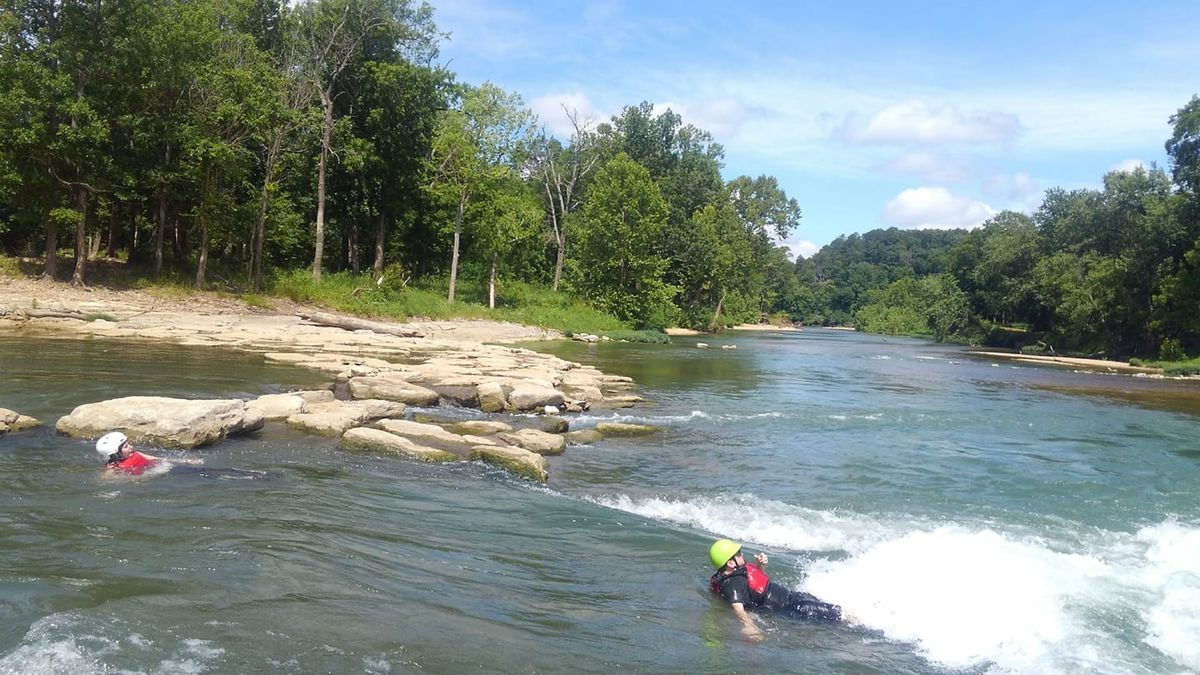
(134, 463)
(756, 579)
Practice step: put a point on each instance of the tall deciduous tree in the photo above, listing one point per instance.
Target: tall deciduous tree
(619, 266)
(487, 137)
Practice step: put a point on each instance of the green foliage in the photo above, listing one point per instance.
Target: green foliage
(933, 306)
(656, 337)
(1171, 350)
(619, 269)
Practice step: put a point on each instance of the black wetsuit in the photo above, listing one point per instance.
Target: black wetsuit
(776, 598)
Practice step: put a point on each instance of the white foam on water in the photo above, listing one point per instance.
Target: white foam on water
(981, 594)
(69, 642)
(1172, 577)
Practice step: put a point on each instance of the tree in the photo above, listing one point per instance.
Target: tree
(561, 171)
(488, 137)
(618, 266)
(1184, 147)
(334, 33)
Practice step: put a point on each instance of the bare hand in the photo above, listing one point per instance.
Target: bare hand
(761, 559)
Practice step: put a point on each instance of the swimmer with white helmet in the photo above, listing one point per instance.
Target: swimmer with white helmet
(119, 453)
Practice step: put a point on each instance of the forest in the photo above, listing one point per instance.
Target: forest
(245, 144)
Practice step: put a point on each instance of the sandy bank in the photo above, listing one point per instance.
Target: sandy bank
(1087, 364)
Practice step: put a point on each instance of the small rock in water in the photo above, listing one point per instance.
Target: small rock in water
(550, 410)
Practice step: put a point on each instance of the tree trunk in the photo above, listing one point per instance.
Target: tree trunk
(113, 224)
(260, 225)
(380, 232)
(352, 248)
(81, 205)
(492, 283)
(203, 262)
(159, 231)
(51, 248)
(202, 217)
(716, 320)
(458, 223)
(326, 142)
(560, 257)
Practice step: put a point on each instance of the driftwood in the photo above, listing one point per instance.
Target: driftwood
(20, 314)
(349, 323)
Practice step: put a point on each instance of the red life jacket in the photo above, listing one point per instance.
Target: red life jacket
(756, 579)
(135, 463)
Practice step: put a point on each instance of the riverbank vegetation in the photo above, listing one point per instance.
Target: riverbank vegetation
(237, 143)
(321, 151)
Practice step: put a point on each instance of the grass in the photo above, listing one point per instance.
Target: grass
(1184, 367)
(517, 302)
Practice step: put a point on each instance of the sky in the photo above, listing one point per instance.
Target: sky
(870, 114)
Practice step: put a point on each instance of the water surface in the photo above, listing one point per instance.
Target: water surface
(973, 516)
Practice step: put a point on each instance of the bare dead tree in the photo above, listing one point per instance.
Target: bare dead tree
(561, 173)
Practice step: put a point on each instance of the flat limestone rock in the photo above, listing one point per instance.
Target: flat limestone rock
(430, 433)
(536, 441)
(583, 437)
(392, 389)
(377, 440)
(162, 421)
(517, 460)
(283, 406)
(625, 429)
(482, 427)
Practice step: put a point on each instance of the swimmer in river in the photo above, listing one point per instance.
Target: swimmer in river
(120, 455)
(745, 586)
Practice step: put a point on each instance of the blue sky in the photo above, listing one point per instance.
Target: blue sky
(870, 114)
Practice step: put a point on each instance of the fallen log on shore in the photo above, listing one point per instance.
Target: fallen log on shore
(352, 324)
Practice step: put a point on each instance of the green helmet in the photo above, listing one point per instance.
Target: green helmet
(721, 551)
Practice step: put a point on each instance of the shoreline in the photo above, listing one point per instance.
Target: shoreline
(1071, 361)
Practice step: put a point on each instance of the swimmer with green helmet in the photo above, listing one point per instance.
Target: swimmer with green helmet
(746, 587)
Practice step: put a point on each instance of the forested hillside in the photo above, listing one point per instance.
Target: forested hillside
(1113, 271)
(241, 142)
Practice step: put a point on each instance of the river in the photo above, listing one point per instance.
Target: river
(972, 516)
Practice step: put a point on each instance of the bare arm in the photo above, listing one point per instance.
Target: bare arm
(749, 628)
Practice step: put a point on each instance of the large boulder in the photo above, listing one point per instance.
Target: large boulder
(377, 440)
(535, 441)
(161, 421)
(517, 460)
(14, 421)
(392, 389)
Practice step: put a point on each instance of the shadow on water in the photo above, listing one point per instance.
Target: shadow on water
(1179, 397)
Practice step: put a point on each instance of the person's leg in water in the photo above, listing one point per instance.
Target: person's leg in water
(206, 472)
(807, 607)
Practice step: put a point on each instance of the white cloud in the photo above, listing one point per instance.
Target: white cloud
(916, 122)
(550, 111)
(1129, 165)
(720, 116)
(801, 248)
(930, 167)
(935, 207)
(1019, 186)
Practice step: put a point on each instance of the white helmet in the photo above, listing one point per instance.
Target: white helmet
(110, 443)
